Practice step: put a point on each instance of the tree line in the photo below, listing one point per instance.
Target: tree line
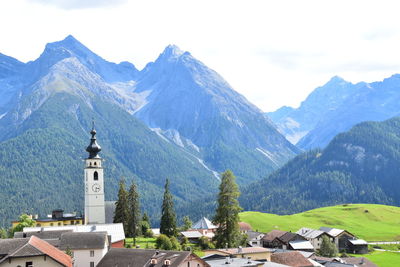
(226, 217)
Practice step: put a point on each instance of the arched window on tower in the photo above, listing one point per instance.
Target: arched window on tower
(95, 176)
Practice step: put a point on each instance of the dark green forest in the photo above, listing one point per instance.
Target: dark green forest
(41, 159)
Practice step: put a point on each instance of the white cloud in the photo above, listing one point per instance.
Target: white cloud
(78, 4)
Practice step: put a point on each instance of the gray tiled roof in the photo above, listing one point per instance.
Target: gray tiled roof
(42, 234)
(7, 246)
(27, 250)
(309, 233)
(118, 257)
(204, 223)
(91, 240)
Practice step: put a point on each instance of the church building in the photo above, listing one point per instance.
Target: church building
(94, 184)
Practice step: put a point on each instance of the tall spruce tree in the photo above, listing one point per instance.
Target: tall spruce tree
(168, 216)
(121, 214)
(134, 212)
(227, 213)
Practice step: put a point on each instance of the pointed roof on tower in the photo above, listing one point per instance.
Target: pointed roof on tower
(204, 223)
(93, 148)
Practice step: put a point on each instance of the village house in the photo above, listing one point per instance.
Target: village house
(205, 227)
(87, 248)
(270, 239)
(56, 218)
(314, 236)
(115, 230)
(255, 253)
(346, 241)
(244, 227)
(192, 236)
(286, 240)
(254, 239)
(31, 252)
(147, 257)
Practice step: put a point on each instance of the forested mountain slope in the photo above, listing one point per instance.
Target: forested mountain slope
(358, 166)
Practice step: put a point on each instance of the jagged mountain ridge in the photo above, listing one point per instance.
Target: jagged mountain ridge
(196, 108)
(336, 107)
(182, 100)
(63, 88)
(297, 123)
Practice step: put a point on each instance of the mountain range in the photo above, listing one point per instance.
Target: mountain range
(176, 118)
(357, 166)
(335, 108)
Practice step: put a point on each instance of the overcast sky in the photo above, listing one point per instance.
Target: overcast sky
(273, 52)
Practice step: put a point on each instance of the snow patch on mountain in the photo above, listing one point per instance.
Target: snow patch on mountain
(268, 155)
(216, 175)
(2, 115)
(159, 132)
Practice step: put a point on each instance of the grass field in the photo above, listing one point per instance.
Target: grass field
(142, 242)
(383, 258)
(371, 222)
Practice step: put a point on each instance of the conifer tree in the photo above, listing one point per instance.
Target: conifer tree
(227, 213)
(187, 223)
(168, 216)
(121, 214)
(134, 212)
(328, 248)
(145, 226)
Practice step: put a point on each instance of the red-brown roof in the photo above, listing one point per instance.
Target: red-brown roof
(245, 226)
(269, 237)
(51, 251)
(293, 258)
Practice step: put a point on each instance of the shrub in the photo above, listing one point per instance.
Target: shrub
(163, 242)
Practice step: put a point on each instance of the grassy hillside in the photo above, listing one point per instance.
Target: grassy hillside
(367, 221)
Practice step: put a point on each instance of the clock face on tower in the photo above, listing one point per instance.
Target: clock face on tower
(96, 188)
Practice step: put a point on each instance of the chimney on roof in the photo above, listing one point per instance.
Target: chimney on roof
(240, 250)
(227, 260)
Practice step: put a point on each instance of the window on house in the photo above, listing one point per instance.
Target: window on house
(51, 224)
(91, 264)
(59, 224)
(92, 253)
(95, 176)
(28, 264)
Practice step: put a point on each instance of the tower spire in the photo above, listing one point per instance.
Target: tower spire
(93, 148)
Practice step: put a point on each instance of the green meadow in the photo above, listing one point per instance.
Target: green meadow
(371, 222)
(383, 258)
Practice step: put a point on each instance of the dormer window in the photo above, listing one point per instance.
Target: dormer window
(153, 261)
(95, 176)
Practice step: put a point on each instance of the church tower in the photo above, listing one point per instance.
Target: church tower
(94, 184)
